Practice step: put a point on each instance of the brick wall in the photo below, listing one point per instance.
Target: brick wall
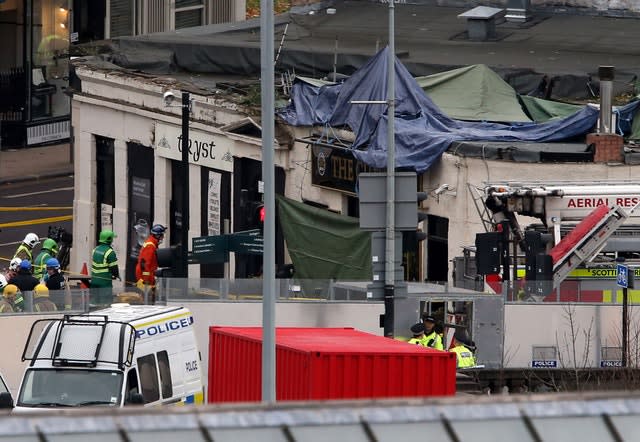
(608, 147)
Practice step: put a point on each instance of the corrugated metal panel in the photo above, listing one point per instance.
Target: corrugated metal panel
(121, 13)
(222, 11)
(155, 16)
(325, 363)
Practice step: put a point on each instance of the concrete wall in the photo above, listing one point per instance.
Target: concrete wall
(15, 329)
(526, 325)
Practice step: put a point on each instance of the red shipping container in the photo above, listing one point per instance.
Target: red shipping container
(325, 363)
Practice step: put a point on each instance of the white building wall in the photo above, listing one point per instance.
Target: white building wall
(129, 109)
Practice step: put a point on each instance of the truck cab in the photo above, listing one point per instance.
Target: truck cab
(113, 357)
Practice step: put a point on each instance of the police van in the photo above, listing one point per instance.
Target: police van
(125, 354)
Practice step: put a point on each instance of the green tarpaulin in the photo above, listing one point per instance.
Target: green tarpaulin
(323, 244)
(544, 110)
(474, 93)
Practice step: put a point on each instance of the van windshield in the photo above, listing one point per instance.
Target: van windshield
(59, 387)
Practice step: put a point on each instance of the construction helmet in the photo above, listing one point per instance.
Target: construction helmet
(158, 230)
(41, 291)
(14, 264)
(10, 291)
(31, 240)
(50, 244)
(53, 263)
(25, 265)
(3, 282)
(106, 237)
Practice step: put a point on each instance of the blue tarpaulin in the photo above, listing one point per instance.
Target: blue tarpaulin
(422, 131)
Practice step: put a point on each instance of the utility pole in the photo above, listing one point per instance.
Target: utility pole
(186, 108)
(389, 288)
(268, 176)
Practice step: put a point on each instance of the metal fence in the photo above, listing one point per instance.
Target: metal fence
(594, 417)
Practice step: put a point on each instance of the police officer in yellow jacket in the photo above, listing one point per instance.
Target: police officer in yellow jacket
(418, 334)
(464, 356)
(431, 337)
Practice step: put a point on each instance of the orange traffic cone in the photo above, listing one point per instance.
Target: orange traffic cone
(84, 282)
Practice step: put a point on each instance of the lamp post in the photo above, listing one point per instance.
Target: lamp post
(184, 260)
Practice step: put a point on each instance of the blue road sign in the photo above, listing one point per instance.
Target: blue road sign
(623, 276)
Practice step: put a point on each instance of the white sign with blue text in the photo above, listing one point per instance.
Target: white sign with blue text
(623, 276)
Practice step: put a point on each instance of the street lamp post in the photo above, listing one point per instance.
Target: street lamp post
(184, 260)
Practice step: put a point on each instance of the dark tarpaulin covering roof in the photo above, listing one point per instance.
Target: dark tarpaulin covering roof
(422, 131)
(323, 244)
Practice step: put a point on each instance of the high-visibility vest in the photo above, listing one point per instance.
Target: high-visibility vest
(101, 265)
(464, 356)
(416, 341)
(433, 340)
(40, 264)
(23, 252)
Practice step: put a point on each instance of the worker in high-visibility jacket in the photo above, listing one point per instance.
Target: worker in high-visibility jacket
(464, 356)
(25, 249)
(104, 269)
(49, 250)
(431, 337)
(148, 260)
(418, 334)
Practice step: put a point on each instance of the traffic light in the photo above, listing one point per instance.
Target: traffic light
(544, 275)
(257, 214)
(488, 252)
(535, 243)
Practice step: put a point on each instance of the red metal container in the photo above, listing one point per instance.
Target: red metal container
(325, 363)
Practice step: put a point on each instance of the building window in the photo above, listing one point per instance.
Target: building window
(189, 13)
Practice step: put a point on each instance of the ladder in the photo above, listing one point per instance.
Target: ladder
(585, 241)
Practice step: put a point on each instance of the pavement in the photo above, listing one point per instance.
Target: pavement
(35, 163)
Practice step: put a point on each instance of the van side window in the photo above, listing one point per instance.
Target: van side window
(165, 374)
(148, 378)
(132, 384)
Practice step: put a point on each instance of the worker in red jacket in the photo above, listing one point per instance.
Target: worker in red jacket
(148, 260)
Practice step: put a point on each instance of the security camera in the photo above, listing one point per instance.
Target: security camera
(443, 188)
(168, 98)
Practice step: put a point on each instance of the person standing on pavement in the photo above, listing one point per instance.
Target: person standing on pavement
(464, 356)
(8, 298)
(104, 268)
(25, 249)
(41, 301)
(55, 279)
(12, 300)
(49, 250)
(431, 338)
(12, 271)
(418, 334)
(24, 280)
(148, 260)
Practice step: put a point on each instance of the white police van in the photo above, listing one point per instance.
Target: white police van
(125, 354)
(6, 401)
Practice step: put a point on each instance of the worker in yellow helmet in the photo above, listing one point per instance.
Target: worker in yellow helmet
(41, 301)
(10, 294)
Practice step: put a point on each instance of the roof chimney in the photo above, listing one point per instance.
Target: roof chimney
(606, 86)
